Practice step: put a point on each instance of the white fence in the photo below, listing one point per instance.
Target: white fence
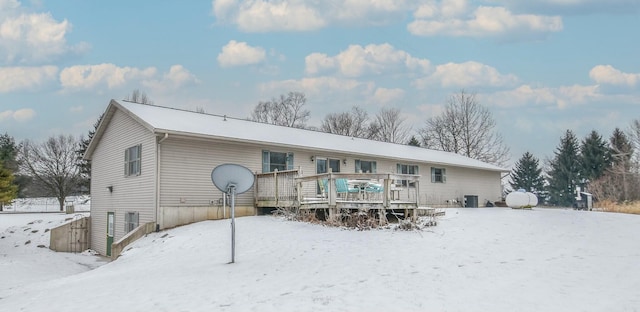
(48, 204)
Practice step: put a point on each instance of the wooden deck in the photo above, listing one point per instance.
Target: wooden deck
(289, 189)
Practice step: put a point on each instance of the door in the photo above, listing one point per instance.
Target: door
(110, 225)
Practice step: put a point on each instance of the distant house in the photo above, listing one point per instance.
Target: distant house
(153, 164)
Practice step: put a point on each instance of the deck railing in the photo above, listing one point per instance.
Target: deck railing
(276, 189)
(390, 188)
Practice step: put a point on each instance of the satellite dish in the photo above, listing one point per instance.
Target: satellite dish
(232, 179)
(224, 176)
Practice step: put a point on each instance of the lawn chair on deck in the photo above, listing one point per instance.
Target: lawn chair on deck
(323, 186)
(344, 190)
(374, 189)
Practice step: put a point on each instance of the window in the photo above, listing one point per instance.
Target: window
(438, 175)
(407, 169)
(276, 160)
(132, 160)
(334, 165)
(365, 166)
(130, 221)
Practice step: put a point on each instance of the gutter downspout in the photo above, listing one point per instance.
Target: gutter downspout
(158, 154)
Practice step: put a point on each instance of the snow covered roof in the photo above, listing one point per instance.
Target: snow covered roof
(175, 121)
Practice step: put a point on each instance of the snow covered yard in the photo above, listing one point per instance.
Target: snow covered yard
(25, 257)
(494, 259)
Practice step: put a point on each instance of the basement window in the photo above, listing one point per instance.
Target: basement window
(130, 221)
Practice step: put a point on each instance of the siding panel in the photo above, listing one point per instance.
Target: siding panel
(133, 193)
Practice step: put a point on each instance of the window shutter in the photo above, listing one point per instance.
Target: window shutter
(444, 175)
(289, 161)
(139, 159)
(398, 168)
(126, 162)
(265, 161)
(358, 168)
(433, 175)
(373, 167)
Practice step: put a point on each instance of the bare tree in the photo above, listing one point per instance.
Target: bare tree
(634, 138)
(53, 164)
(353, 123)
(389, 126)
(138, 97)
(283, 111)
(466, 128)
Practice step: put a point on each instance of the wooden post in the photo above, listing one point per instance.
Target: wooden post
(275, 180)
(415, 212)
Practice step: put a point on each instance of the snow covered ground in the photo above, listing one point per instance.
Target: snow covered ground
(494, 259)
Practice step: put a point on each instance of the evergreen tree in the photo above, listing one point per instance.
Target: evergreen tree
(594, 157)
(8, 190)
(8, 159)
(413, 141)
(8, 152)
(527, 175)
(83, 164)
(564, 173)
(620, 148)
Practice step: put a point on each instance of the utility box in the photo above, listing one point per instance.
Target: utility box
(471, 201)
(584, 201)
(69, 208)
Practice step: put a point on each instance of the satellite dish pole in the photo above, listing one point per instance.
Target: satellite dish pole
(232, 193)
(232, 179)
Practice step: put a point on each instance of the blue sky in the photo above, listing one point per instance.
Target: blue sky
(541, 67)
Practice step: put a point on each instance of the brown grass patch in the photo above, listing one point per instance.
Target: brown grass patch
(612, 206)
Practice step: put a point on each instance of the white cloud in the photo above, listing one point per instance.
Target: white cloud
(32, 37)
(468, 74)
(455, 18)
(239, 54)
(317, 85)
(25, 78)
(607, 74)
(177, 77)
(301, 15)
(575, 7)
(560, 97)
(20, 115)
(109, 75)
(76, 109)
(265, 16)
(372, 59)
(386, 96)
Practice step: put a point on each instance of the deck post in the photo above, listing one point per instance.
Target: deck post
(415, 212)
(299, 192)
(332, 194)
(275, 179)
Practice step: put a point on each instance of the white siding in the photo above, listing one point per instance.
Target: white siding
(133, 193)
(187, 164)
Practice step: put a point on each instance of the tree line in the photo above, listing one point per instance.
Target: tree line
(465, 127)
(608, 169)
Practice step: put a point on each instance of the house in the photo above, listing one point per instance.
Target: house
(153, 164)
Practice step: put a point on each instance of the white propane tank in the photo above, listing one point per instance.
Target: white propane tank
(521, 199)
